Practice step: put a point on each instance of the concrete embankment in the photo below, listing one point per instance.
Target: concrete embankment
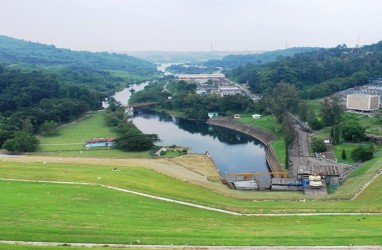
(263, 136)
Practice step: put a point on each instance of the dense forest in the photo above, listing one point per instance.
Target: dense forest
(29, 100)
(317, 73)
(42, 86)
(232, 61)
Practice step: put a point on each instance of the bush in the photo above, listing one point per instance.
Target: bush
(363, 153)
(318, 145)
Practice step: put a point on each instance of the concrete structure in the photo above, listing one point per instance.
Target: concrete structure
(362, 102)
(232, 90)
(200, 76)
(213, 114)
(256, 116)
(100, 142)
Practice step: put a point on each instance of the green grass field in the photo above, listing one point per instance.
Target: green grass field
(74, 213)
(78, 213)
(72, 137)
(91, 126)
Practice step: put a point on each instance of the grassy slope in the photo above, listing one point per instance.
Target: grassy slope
(145, 180)
(52, 212)
(72, 138)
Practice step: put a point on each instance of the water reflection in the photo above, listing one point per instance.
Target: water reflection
(231, 151)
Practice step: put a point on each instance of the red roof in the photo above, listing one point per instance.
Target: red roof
(96, 140)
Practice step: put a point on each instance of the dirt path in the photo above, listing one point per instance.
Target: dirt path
(106, 246)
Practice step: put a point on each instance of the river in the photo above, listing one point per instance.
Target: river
(231, 151)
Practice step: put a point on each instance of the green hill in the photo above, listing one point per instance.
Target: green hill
(14, 51)
(232, 61)
(316, 73)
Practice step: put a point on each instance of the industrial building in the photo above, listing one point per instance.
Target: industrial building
(361, 102)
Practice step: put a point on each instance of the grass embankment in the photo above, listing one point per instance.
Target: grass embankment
(138, 177)
(270, 124)
(66, 213)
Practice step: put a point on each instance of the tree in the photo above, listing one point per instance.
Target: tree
(318, 145)
(363, 153)
(49, 128)
(303, 110)
(282, 99)
(353, 131)
(135, 140)
(331, 110)
(23, 141)
(343, 154)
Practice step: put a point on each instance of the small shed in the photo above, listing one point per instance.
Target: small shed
(213, 114)
(100, 142)
(256, 116)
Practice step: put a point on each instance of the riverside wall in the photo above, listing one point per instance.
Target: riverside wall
(263, 136)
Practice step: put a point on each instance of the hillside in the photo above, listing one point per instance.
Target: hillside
(317, 73)
(232, 61)
(14, 51)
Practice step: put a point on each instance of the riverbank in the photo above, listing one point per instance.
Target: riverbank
(263, 136)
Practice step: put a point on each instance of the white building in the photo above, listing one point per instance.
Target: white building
(362, 102)
(232, 90)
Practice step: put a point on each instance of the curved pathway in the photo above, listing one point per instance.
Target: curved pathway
(188, 203)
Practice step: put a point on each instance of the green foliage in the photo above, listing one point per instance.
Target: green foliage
(233, 61)
(187, 103)
(343, 155)
(49, 128)
(331, 110)
(22, 52)
(130, 138)
(363, 153)
(318, 145)
(283, 98)
(288, 131)
(335, 134)
(316, 73)
(353, 131)
(23, 141)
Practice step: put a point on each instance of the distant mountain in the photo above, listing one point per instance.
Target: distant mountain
(232, 61)
(15, 51)
(192, 57)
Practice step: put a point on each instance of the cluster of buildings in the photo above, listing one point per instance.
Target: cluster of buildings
(212, 84)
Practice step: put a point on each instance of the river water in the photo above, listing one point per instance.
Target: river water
(231, 151)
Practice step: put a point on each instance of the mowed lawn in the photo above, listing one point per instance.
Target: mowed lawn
(73, 136)
(75, 213)
(139, 178)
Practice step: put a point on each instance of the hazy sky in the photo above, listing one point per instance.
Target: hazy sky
(192, 25)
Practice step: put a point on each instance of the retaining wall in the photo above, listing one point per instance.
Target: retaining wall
(263, 136)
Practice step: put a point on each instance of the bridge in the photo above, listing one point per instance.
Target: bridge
(141, 105)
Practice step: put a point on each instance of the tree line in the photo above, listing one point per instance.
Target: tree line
(180, 97)
(33, 102)
(315, 74)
